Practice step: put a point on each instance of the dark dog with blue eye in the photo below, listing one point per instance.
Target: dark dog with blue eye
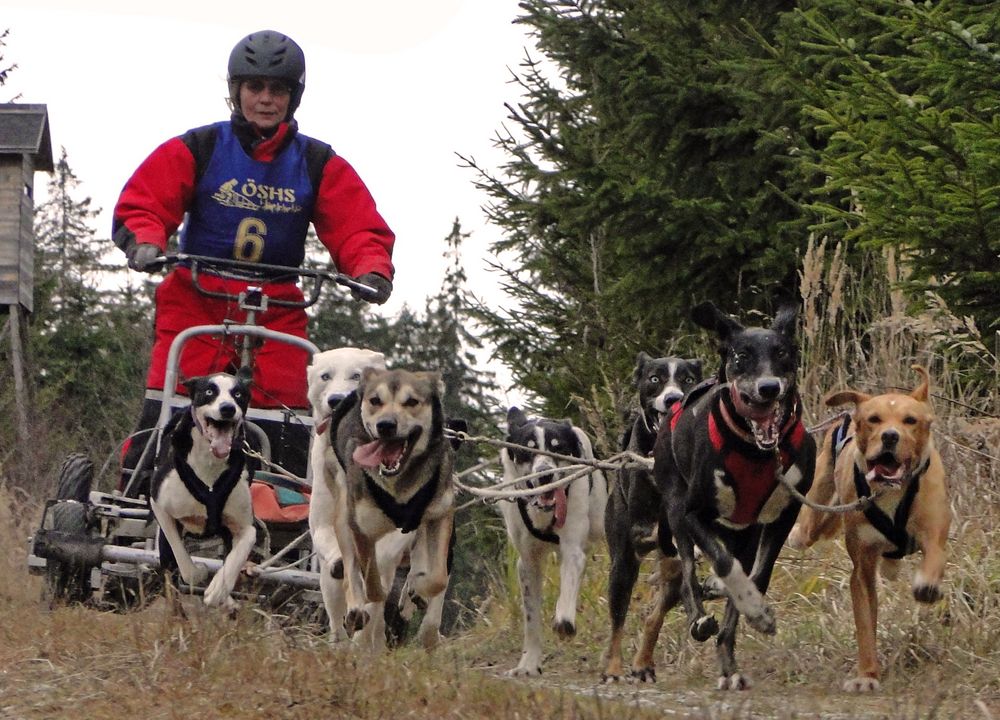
(630, 520)
(719, 463)
(565, 519)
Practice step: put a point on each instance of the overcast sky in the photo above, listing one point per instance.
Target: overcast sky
(397, 87)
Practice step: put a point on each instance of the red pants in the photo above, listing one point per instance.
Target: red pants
(279, 377)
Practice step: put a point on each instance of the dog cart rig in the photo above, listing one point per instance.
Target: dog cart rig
(99, 547)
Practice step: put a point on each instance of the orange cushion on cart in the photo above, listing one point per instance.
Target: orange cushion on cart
(267, 507)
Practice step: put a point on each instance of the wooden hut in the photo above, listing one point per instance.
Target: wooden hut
(25, 148)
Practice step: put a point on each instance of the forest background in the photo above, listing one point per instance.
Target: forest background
(841, 154)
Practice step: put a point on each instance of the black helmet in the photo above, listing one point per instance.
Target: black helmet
(268, 54)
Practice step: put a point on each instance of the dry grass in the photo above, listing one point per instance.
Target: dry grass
(938, 662)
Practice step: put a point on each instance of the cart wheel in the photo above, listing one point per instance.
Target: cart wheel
(67, 582)
(75, 478)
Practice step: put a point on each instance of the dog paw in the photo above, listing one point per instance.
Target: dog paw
(355, 620)
(736, 681)
(704, 627)
(643, 675)
(861, 685)
(525, 671)
(217, 594)
(797, 539)
(564, 629)
(764, 620)
(926, 593)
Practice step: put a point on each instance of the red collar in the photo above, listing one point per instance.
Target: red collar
(794, 417)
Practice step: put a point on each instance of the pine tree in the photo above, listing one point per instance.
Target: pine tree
(639, 179)
(903, 98)
(5, 70)
(89, 340)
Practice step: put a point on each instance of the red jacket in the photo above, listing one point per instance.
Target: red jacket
(153, 202)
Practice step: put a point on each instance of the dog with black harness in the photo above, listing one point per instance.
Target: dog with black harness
(565, 519)
(630, 520)
(722, 463)
(388, 466)
(200, 483)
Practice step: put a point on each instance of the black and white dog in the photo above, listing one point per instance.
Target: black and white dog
(565, 519)
(630, 521)
(200, 485)
(719, 463)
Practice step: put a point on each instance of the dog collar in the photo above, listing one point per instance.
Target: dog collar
(728, 414)
(545, 535)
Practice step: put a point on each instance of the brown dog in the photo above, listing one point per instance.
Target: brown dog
(886, 452)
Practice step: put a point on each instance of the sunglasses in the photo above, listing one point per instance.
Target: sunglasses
(274, 87)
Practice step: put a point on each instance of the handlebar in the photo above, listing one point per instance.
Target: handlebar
(262, 273)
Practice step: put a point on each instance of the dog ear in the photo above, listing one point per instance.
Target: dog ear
(515, 418)
(922, 390)
(843, 397)
(784, 319)
(191, 384)
(376, 359)
(434, 380)
(708, 316)
(366, 375)
(586, 449)
(640, 363)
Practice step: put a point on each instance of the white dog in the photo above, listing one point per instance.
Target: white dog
(565, 519)
(332, 376)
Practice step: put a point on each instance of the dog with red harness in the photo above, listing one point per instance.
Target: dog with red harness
(723, 464)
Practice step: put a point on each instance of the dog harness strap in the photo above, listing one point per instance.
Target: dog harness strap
(338, 414)
(841, 437)
(544, 535)
(213, 498)
(894, 529)
(405, 516)
(751, 471)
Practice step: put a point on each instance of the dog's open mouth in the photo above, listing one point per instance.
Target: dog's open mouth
(764, 417)
(220, 434)
(886, 470)
(553, 501)
(387, 455)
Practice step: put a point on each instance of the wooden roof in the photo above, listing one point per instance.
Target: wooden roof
(24, 128)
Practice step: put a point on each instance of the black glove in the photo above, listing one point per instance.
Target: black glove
(142, 256)
(382, 287)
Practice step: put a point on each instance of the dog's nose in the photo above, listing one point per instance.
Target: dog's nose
(671, 397)
(386, 428)
(227, 411)
(334, 399)
(768, 388)
(889, 439)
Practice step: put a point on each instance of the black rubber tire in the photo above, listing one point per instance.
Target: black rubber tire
(64, 582)
(75, 478)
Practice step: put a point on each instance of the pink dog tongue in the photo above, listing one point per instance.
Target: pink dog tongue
(371, 455)
(560, 511)
(368, 455)
(220, 441)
